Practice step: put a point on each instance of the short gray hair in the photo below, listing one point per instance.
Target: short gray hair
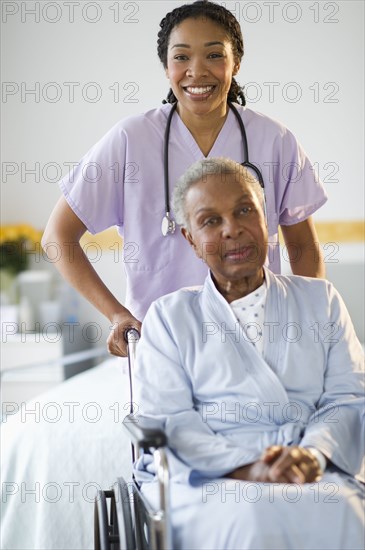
(199, 171)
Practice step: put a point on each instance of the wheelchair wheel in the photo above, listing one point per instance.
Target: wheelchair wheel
(123, 499)
(104, 539)
(113, 526)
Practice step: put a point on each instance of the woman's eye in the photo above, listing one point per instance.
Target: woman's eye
(211, 221)
(215, 55)
(181, 57)
(245, 210)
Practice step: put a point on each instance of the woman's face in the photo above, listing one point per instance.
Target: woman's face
(227, 228)
(200, 66)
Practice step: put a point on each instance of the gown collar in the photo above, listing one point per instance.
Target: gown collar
(262, 368)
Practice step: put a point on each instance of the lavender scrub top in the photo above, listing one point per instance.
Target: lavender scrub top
(120, 182)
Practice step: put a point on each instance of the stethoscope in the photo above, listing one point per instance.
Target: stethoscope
(168, 225)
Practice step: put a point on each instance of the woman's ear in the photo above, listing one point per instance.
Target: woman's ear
(236, 68)
(185, 233)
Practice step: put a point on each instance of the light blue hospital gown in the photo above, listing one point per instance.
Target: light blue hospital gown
(223, 403)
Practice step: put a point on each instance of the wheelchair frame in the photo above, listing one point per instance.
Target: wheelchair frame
(123, 518)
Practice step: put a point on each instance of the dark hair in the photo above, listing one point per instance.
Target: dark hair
(218, 14)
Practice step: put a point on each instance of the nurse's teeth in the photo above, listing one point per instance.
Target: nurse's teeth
(202, 90)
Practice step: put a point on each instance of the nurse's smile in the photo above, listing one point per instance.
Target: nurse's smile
(199, 92)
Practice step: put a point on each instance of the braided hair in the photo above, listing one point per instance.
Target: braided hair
(218, 14)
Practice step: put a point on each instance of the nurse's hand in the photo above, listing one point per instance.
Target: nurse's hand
(121, 321)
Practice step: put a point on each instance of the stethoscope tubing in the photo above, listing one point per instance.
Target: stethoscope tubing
(166, 158)
(168, 225)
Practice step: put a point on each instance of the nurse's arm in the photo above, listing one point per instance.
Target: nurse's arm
(303, 248)
(64, 229)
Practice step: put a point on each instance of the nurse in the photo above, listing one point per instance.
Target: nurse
(120, 181)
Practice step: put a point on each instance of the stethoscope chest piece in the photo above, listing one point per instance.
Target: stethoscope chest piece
(168, 225)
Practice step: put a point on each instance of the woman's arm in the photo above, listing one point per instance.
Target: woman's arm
(304, 251)
(65, 230)
(336, 427)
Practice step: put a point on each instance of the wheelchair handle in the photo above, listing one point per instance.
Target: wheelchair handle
(131, 336)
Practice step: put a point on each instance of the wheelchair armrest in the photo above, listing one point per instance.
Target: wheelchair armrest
(144, 433)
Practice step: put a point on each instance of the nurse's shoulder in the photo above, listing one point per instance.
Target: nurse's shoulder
(134, 132)
(263, 125)
(148, 121)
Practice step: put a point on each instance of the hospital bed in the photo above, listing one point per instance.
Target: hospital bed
(57, 452)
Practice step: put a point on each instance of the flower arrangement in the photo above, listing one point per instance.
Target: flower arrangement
(15, 243)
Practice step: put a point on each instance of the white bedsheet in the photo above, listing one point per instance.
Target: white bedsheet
(54, 459)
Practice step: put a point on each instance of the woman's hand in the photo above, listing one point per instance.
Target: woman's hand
(257, 471)
(291, 464)
(281, 465)
(121, 322)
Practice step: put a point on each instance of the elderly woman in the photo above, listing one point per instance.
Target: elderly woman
(258, 378)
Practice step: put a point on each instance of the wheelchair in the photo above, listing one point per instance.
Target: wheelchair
(123, 518)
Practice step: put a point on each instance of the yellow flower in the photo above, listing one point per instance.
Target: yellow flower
(10, 233)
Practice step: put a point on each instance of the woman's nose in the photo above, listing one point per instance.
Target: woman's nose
(231, 229)
(197, 68)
